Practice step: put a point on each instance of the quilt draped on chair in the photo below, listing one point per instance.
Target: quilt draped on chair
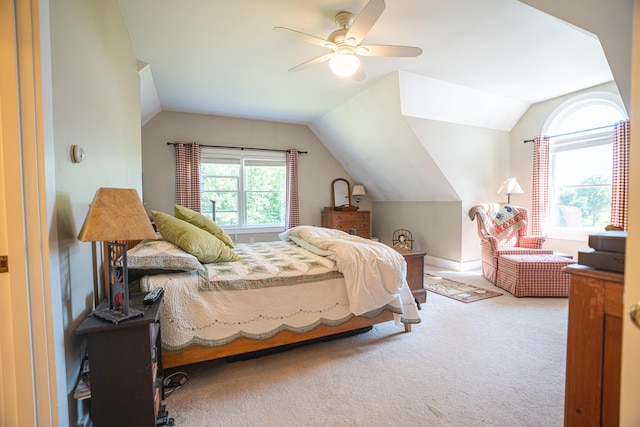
(499, 221)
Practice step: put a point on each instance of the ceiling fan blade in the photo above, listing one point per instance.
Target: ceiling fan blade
(365, 20)
(311, 62)
(388, 50)
(359, 74)
(304, 37)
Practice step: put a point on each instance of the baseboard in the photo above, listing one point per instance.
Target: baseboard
(453, 265)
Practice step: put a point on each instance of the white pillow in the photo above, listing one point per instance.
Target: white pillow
(161, 255)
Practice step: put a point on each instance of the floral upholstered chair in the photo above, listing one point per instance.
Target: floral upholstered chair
(503, 231)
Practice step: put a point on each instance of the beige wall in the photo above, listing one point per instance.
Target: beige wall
(318, 168)
(96, 104)
(435, 226)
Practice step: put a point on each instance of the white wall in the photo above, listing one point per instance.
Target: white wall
(96, 104)
(475, 162)
(318, 168)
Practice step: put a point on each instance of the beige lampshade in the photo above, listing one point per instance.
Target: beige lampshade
(116, 214)
(358, 190)
(510, 186)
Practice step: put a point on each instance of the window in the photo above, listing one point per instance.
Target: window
(244, 189)
(581, 161)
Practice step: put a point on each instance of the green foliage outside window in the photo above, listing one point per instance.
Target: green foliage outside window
(592, 197)
(265, 194)
(264, 191)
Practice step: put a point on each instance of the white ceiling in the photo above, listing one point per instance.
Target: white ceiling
(223, 57)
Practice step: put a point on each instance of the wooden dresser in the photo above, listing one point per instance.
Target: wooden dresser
(594, 347)
(360, 221)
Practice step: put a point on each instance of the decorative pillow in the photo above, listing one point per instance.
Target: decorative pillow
(203, 222)
(161, 255)
(203, 245)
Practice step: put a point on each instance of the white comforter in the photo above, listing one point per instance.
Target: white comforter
(375, 274)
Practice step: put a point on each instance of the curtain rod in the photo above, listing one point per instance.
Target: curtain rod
(238, 148)
(571, 133)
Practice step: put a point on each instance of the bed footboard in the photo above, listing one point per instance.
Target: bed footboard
(197, 353)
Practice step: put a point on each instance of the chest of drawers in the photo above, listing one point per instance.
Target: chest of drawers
(353, 222)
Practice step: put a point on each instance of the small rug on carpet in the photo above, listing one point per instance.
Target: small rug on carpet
(456, 290)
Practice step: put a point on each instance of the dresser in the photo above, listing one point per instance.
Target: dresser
(353, 222)
(594, 347)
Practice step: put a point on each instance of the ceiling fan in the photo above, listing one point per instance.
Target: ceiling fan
(346, 43)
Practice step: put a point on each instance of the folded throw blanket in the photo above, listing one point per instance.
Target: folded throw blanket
(374, 273)
(499, 220)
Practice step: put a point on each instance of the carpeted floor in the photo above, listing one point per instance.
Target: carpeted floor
(499, 362)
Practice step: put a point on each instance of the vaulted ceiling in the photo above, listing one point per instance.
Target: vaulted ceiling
(223, 57)
(483, 64)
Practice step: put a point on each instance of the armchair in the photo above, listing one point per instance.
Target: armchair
(503, 231)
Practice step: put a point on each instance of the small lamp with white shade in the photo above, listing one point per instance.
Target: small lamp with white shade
(510, 186)
(358, 192)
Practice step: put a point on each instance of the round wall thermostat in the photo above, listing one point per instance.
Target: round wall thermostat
(77, 153)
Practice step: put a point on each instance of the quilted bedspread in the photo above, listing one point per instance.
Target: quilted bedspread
(374, 273)
(276, 286)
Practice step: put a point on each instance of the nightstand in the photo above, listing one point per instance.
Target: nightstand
(125, 362)
(415, 273)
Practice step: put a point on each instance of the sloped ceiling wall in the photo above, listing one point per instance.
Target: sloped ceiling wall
(374, 143)
(405, 145)
(611, 21)
(414, 139)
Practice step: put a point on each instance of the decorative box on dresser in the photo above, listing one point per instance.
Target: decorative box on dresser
(125, 362)
(360, 221)
(594, 347)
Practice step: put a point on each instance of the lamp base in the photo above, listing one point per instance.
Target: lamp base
(115, 316)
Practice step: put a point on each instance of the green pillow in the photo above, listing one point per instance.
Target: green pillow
(204, 246)
(203, 222)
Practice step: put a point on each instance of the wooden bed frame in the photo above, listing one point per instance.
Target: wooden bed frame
(198, 353)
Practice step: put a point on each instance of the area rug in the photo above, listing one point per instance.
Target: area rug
(456, 290)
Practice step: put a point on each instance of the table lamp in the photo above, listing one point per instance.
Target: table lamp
(116, 215)
(358, 192)
(510, 186)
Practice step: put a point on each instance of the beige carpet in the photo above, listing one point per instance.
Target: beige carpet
(495, 363)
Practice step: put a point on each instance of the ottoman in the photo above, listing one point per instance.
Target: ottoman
(534, 275)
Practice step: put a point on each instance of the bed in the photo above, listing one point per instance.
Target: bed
(312, 283)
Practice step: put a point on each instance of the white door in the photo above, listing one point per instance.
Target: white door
(630, 403)
(28, 384)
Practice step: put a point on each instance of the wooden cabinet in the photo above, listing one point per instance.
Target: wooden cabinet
(353, 222)
(594, 347)
(415, 273)
(125, 361)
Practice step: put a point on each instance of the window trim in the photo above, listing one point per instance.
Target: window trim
(242, 154)
(552, 126)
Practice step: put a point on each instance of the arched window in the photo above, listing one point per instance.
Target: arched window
(581, 162)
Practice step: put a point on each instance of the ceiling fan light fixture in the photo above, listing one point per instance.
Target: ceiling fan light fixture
(344, 65)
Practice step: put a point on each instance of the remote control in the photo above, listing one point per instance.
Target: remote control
(153, 296)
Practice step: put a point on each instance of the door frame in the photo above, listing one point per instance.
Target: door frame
(31, 385)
